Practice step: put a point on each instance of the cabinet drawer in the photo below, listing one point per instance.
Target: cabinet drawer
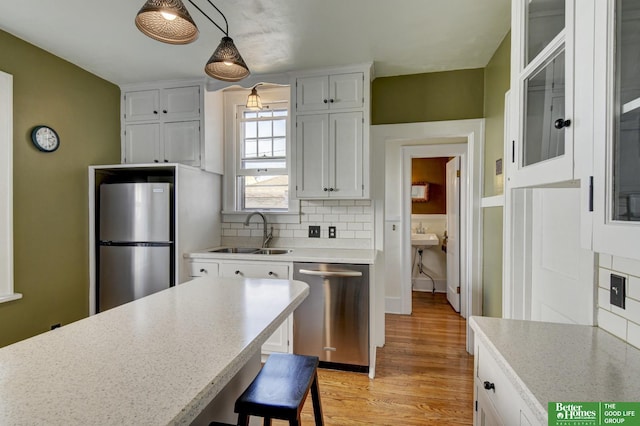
(203, 269)
(248, 270)
(502, 395)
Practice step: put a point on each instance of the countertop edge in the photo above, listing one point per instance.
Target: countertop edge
(536, 407)
(360, 256)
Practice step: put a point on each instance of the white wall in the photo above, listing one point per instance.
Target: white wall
(624, 323)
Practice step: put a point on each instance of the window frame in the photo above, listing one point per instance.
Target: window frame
(234, 102)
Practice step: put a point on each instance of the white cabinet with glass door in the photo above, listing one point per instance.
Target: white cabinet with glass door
(329, 156)
(542, 86)
(616, 219)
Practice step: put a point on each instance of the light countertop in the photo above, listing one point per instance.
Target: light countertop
(319, 255)
(549, 362)
(155, 361)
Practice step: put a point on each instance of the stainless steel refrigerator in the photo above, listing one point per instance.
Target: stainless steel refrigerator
(134, 239)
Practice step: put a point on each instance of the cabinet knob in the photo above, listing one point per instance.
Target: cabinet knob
(203, 271)
(326, 189)
(155, 112)
(155, 161)
(271, 273)
(166, 161)
(238, 273)
(325, 101)
(489, 386)
(331, 189)
(561, 122)
(164, 110)
(332, 100)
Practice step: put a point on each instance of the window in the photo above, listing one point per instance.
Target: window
(262, 172)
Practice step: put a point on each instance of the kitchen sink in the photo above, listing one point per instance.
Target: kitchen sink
(250, 250)
(273, 251)
(242, 250)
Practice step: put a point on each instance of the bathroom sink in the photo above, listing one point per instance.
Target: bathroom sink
(421, 240)
(242, 250)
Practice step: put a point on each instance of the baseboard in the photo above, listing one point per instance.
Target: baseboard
(393, 305)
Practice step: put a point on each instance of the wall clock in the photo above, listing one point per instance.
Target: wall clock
(45, 138)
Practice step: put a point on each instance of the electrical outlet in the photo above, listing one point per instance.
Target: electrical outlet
(332, 232)
(314, 231)
(617, 290)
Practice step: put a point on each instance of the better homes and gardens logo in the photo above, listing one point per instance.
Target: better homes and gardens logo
(594, 413)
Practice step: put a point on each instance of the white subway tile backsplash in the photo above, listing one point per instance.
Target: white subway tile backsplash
(315, 218)
(633, 288)
(354, 226)
(612, 323)
(633, 334)
(229, 233)
(347, 218)
(300, 234)
(605, 260)
(629, 266)
(604, 298)
(355, 210)
(363, 202)
(347, 203)
(339, 210)
(285, 233)
(363, 218)
(244, 232)
(331, 218)
(324, 210)
(363, 234)
(346, 234)
(331, 203)
(309, 209)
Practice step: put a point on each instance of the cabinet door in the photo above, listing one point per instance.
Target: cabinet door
(616, 220)
(542, 78)
(345, 155)
(141, 105)
(312, 156)
(487, 415)
(182, 142)
(203, 269)
(181, 103)
(312, 93)
(346, 90)
(142, 143)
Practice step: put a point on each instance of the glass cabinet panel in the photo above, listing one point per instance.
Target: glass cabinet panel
(544, 112)
(626, 143)
(544, 21)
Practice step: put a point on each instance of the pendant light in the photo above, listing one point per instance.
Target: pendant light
(169, 21)
(254, 103)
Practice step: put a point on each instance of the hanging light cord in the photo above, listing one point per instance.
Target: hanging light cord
(226, 33)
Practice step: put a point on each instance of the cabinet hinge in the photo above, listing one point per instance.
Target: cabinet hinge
(363, 117)
(457, 173)
(476, 405)
(296, 187)
(590, 193)
(458, 289)
(363, 186)
(513, 151)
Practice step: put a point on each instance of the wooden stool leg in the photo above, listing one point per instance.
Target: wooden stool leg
(266, 421)
(243, 419)
(315, 396)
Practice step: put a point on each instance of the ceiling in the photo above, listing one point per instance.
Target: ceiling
(273, 36)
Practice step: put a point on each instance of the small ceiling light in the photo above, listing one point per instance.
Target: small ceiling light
(253, 101)
(167, 21)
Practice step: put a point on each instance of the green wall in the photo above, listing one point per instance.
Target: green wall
(50, 190)
(450, 95)
(496, 84)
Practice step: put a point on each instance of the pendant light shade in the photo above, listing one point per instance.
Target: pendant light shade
(254, 103)
(167, 21)
(226, 64)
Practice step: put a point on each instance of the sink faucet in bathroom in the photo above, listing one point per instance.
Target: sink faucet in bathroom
(266, 238)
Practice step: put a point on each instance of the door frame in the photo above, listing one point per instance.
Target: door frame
(387, 135)
(434, 151)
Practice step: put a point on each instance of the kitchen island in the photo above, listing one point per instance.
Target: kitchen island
(158, 360)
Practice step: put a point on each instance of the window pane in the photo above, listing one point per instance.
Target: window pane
(279, 147)
(251, 129)
(250, 148)
(264, 129)
(263, 192)
(544, 105)
(279, 127)
(264, 164)
(626, 147)
(264, 114)
(280, 113)
(264, 148)
(545, 20)
(250, 114)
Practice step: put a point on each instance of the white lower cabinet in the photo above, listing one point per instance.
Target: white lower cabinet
(279, 341)
(497, 401)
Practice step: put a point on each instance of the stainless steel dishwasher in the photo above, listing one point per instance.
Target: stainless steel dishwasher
(333, 321)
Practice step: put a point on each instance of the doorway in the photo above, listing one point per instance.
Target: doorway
(391, 199)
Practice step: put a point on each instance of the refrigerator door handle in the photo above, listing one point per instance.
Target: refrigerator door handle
(336, 274)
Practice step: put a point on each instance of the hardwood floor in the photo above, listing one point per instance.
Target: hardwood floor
(424, 374)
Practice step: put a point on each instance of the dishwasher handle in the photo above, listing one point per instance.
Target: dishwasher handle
(330, 273)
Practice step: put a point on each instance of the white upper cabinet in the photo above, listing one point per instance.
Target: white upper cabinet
(331, 139)
(616, 219)
(542, 86)
(163, 124)
(330, 92)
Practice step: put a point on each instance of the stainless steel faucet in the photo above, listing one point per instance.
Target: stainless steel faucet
(266, 238)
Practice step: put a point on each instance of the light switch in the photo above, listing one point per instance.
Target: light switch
(617, 290)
